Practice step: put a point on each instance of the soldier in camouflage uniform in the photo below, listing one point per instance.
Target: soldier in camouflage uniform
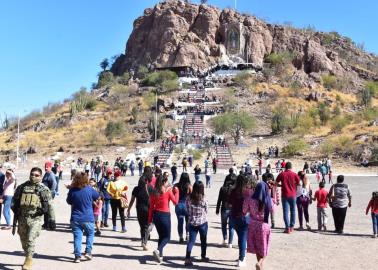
(30, 202)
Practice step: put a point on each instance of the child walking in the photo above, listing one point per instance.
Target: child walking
(197, 207)
(97, 209)
(321, 197)
(373, 205)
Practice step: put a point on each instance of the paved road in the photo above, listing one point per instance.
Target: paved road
(301, 250)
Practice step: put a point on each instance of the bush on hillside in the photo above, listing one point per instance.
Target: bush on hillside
(367, 94)
(295, 147)
(327, 148)
(324, 113)
(114, 129)
(329, 81)
(158, 78)
(339, 122)
(105, 78)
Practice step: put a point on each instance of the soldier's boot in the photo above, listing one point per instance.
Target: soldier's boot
(28, 263)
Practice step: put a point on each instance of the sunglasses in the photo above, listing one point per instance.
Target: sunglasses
(35, 175)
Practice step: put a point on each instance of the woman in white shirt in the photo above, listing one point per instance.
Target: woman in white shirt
(303, 200)
(8, 187)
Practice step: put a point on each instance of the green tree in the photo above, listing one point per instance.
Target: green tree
(142, 72)
(234, 123)
(324, 113)
(113, 130)
(104, 64)
(279, 120)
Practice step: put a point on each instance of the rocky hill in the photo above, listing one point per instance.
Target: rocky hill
(177, 34)
(307, 88)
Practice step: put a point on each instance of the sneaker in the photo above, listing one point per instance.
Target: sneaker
(291, 229)
(114, 228)
(229, 245)
(188, 262)
(300, 228)
(241, 263)
(124, 230)
(308, 226)
(375, 236)
(181, 240)
(205, 259)
(106, 225)
(156, 254)
(224, 243)
(288, 231)
(88, 256)
(98, 233)
(77, 260)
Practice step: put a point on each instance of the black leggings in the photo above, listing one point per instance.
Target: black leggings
(116, 205)
(339, 215)
(143, 224)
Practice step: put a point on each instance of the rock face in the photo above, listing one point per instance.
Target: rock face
(179, 34)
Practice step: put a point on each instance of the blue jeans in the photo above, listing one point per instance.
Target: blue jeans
(7, 207)
(182, 216)
(57, 185)
(162, 221)
(174, 177)
(286, 204)
(374, 218)
(77, 230)
(197, 177)
(225, 219)
(208, 180)
(193, 231)
(241, 227)
(97, 177)
(105, 211)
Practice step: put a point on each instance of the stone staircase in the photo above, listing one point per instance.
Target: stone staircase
(163, 157)
(224, 157)
(193, 124)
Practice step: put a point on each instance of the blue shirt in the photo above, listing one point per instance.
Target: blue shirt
(49, 180)
(81, 201)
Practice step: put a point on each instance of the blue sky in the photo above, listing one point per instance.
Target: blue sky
(50, 48)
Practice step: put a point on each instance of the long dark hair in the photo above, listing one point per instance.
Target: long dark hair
(240, 183)
(160, 181)
(198, 193)
(184, 183)
(147, 174)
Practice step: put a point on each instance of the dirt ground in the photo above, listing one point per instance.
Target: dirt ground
(302, 250)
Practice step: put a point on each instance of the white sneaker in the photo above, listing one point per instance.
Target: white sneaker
(229, 245)
(242, 263)
(156, 254)
(224, 243)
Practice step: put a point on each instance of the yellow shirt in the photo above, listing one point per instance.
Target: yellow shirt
(115, 189)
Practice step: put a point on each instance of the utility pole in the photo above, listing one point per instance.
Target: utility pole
(18, 140)
(156, 116)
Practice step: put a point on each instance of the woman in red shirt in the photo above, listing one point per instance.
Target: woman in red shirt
(159, 212)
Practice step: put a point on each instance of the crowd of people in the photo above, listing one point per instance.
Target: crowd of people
(246, 203)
